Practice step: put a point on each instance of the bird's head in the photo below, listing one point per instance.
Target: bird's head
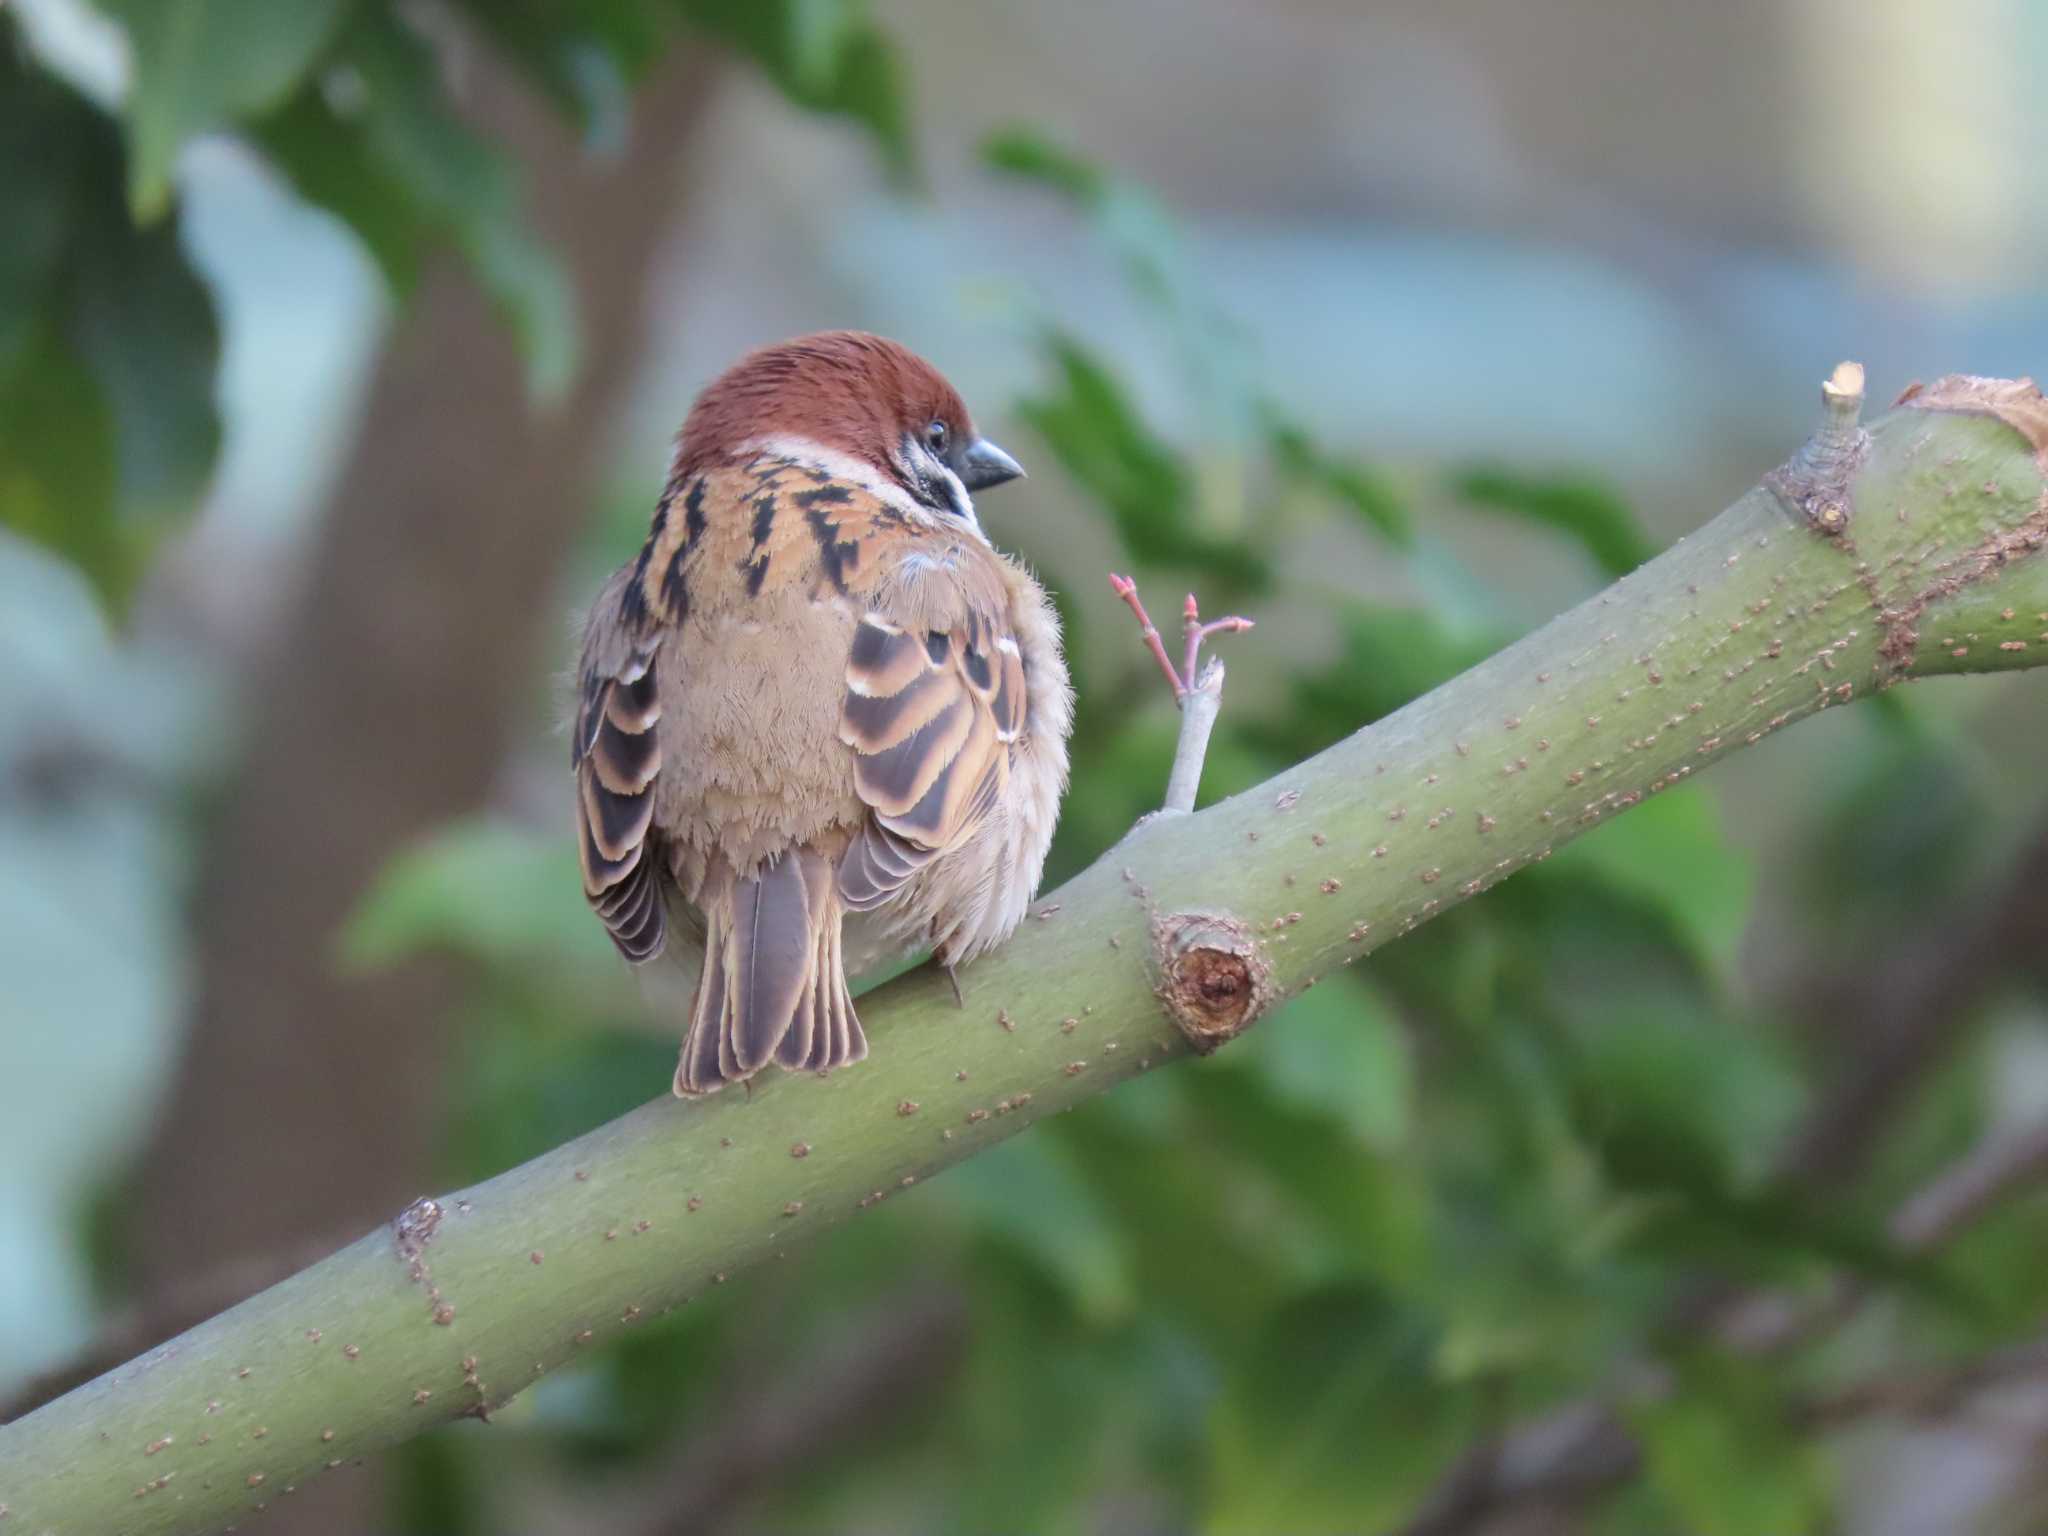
(849, 396)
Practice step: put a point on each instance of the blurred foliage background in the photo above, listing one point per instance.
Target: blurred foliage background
(339, 346)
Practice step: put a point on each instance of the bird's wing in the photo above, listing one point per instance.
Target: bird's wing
(931, 714)
(616, 754)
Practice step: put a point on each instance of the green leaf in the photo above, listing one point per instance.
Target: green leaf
(1916, 822)
(1301, 461)
(1335, 1420)
(57, 479)
(1722, 1451)
(819, 34)
(1682, 1109)
(484, 888)
(108, 344)
(1662, 1095)
(1101, 439)
(585, 52)
(536, 1073)
(825, 55)
(1201, 1259)
(1336, 1051)
(1584, 508)
(40, 157)
(1029, 156)
(1027, 1192)
(328, 159)
(1389, 656)
(402, 170)
(203, 64)
(1146, 240)
(1329, 1206)
(463, 184)
(1672, 853)
(145, 324)
(1133, 224)
(1029, 1420)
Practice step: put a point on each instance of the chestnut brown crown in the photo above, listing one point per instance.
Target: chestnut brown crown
(862, 395)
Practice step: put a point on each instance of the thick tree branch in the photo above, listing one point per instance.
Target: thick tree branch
(1909, 550)
(134, 1328)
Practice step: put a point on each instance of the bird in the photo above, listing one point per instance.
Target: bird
(817, 690)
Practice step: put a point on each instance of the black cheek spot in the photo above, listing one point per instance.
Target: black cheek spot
(764, 519)
(936, 646)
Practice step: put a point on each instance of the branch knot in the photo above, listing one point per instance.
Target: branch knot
(1814, 483)
(1213, 980)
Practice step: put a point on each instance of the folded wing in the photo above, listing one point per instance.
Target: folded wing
(931, 716)
(616, 754)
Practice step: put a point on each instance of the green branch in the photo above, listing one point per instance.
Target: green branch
(1871, 557)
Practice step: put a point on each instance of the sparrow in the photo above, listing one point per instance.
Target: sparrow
(818, 690)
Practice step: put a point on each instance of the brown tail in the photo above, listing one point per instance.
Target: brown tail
(774, 984)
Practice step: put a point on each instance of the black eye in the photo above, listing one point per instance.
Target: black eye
(936, 435)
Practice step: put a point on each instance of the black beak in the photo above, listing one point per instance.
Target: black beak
(983, 464)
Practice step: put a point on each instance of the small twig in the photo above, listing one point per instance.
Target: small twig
(1198, 710)
(1182, 679)
(1763, 1322)
(1925, 1392)
(1966, 1189)
(1913, 1007)
(1197, 632)
(1200, 698)
(1127, 589)
(1581, 1448)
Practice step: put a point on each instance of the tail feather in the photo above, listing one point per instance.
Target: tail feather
(833, 1033)
(773, 949)
(699, 1071)
(794, 1049)
(774, 982)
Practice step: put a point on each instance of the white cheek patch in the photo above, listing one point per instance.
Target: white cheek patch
(964, 500)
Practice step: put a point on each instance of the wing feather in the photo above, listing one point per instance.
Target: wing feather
(616, 754)
(931, 717)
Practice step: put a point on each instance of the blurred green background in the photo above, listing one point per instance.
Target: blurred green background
(340, 344)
